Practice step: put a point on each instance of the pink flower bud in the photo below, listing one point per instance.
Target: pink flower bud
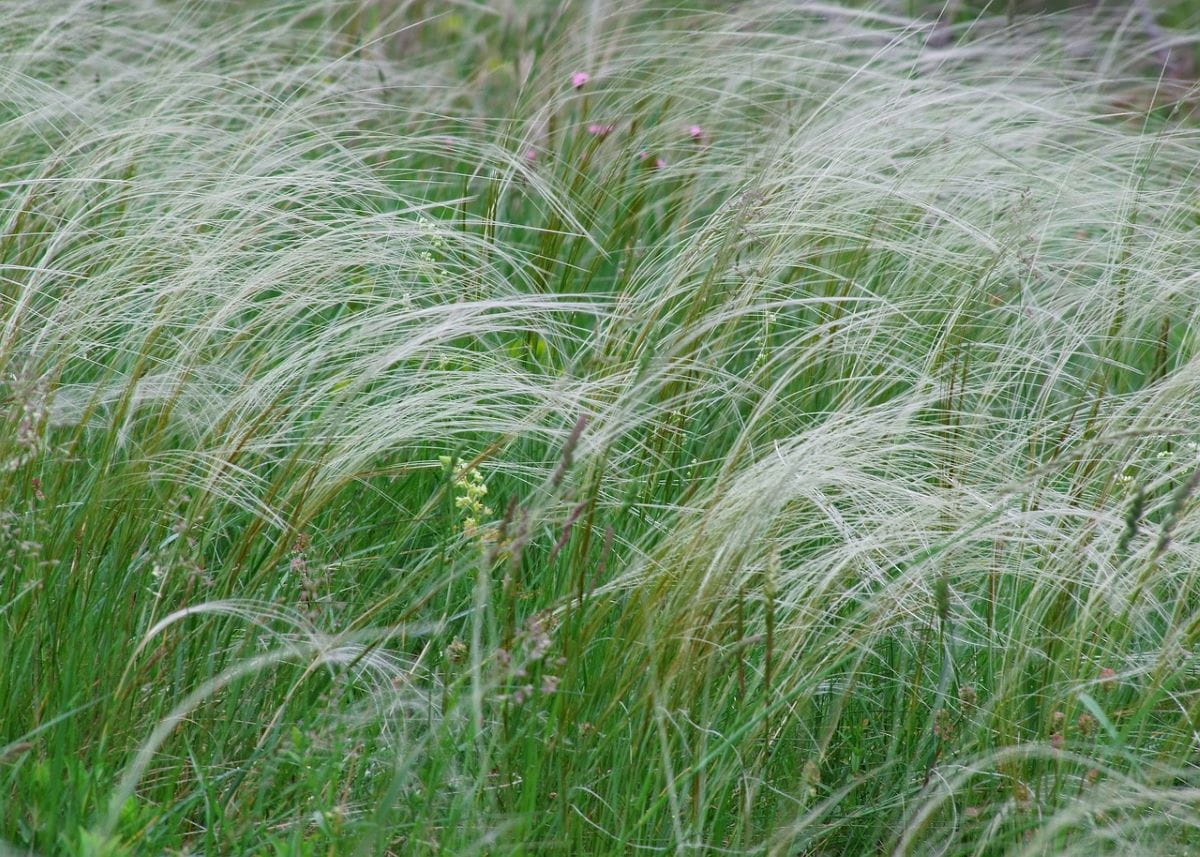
(579, 79)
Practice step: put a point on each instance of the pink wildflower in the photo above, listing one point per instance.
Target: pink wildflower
(695, 132)
(579, 79)
(644, 157)
(531, 155)
(596, 129)
(1108, 678)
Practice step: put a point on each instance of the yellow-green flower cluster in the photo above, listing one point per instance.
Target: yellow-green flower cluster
(764, 342)
(431, 265)
(470, 489)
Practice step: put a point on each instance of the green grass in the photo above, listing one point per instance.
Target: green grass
(393, 465)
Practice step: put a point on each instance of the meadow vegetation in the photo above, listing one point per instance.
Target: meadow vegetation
(595, 428)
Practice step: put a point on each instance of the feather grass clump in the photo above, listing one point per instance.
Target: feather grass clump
(831, 387)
